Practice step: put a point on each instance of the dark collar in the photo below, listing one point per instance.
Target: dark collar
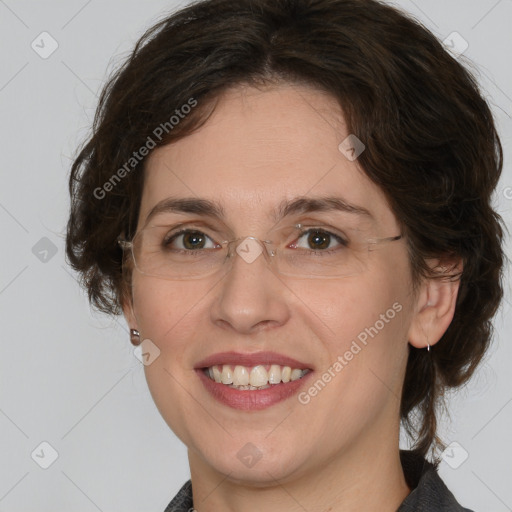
(429, 493)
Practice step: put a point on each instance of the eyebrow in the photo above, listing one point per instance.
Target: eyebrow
(299, 205)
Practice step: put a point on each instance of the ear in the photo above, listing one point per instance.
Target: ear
(435, 305)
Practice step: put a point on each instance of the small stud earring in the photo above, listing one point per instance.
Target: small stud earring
(135, 337)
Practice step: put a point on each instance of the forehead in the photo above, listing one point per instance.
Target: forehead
(259, 149)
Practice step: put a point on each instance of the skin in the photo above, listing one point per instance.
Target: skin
(339, 451)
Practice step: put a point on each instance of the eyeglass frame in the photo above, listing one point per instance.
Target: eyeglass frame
(128, 244)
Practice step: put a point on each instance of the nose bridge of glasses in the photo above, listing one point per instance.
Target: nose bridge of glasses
(249, 248)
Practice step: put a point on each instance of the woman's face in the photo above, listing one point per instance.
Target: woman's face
(259, 149)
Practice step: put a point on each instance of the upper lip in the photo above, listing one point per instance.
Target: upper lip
(249, 360)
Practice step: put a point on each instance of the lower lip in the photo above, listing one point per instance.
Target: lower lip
(252, 400)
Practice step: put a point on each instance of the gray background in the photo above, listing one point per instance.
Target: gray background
(68, 377)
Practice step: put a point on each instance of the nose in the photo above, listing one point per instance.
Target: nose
(251, 297)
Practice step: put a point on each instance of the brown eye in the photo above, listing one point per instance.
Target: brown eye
(319, 240)
(193, 240)
(315, 239)
(188, 240)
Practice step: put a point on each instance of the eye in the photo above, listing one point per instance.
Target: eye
(188, 240)
(317, 239)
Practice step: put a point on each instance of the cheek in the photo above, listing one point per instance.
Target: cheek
(163, 309)
(347, 309)
(363, 326)
(166, 313)
(366, 356)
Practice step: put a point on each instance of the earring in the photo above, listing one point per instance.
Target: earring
(135, 337)
(428, 347)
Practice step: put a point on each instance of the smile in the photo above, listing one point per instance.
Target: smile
(258, 377)
(252, 381)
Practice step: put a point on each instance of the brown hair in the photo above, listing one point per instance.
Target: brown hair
(431, 146)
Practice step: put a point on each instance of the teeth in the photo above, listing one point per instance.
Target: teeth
(274, 375)
(258, 377)
(217, 376)
(248, 388)
(226, 375)
(296, 374)
(241, 376)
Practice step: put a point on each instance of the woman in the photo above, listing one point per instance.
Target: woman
(289, 200)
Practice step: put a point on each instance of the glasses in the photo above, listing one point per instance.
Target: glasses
(298, 250)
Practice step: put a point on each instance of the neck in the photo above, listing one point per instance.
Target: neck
(366, 478)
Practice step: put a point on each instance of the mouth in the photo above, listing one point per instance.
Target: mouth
(252, 381)
(245, 378)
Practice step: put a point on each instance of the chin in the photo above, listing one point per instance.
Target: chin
(254, 464)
